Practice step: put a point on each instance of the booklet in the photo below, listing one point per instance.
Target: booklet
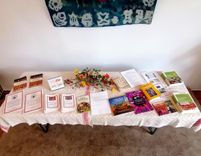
(132, 77)
(121, 83)
(33, 101)
(51, 103)
(20, 83)
(13, 102)
(56, 83)
(99, 103)
(36, 80)
(67, 102)
(83, 104)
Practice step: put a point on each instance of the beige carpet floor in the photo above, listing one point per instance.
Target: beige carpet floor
(24, 140)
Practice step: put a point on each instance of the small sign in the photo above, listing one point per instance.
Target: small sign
(56, 83)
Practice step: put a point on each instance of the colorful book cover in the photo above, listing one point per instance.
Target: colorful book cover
(139, 102)
(83, 104)
(120, 105)
(20, 83)
(170, 106)
(164, 107)
(161, 108)
(171, 77)
(184, 100)
(150, 91)
(36, 80)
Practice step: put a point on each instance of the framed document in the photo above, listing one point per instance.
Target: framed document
(51, 103)
(13, 102)
(33, 101)
(56, 83)
(67, 102)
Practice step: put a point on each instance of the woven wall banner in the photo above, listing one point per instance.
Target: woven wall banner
(100, 13)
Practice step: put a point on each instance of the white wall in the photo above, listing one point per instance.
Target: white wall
(29, 42)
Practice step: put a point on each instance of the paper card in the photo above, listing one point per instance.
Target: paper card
(13, 102)
(36, 80)
(99, 103)
(56, 83)
(51, 103)
(20, 83)
(33, 101)
(67, 102)
(121, 83)
(132, 77)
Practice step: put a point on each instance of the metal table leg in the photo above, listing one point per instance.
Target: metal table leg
(151, 130)
(44, 127)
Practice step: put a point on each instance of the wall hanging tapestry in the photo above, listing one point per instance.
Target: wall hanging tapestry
(100, 13)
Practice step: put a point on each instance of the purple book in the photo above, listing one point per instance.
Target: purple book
(139, 102)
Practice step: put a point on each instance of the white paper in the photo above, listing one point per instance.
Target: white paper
(56, 83)
(13, 102)
(132, 77)
(51, 103)
(33, 101)
(67, 102)
(100, 103)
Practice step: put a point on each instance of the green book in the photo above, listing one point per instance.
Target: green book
(171, 77)
(184, 101)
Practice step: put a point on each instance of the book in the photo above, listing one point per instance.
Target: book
(83, 104)
(36, 80)
(67, 102)
(99, 103)
(132, 77)
(20, 83)
(51, 103)
(155, 79)
(183, 101)
(120, 105)
(171, 78)
(139, 102)
(150, 91)
(164, 107)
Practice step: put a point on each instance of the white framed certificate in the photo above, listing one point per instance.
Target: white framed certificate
(33, 101)
(67, 102)
(13, 102)
(51, 103)
(56, 83)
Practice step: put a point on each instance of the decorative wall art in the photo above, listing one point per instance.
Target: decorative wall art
(100, 13)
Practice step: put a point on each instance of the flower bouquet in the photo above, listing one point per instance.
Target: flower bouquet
(91, 78)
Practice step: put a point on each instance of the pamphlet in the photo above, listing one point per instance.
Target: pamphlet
(99, 103)
(20, 83)
(36, 80)
(132, 77)
(51, 103)
(67, 102)
(13, 102)
(33, 101)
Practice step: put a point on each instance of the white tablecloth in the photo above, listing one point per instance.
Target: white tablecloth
(148, 119)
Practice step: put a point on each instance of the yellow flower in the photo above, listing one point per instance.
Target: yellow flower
(83, 84)
(76, 71)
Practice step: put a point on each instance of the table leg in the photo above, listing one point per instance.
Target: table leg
(44, 127)
(151, 130)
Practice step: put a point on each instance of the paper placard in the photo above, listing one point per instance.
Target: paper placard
(13, 102)
(56, 83)
(33, 101)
